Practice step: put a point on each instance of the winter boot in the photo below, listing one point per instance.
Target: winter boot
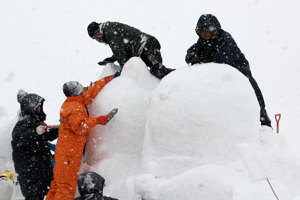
(264, 118)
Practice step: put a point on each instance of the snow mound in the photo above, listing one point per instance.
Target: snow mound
(7, 124)
(193, 116)
(191, 134)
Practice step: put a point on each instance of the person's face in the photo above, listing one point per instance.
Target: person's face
(97, 36)
(207, 35)
(38, 110)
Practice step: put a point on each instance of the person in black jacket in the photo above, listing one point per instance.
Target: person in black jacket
(90, 187)
(127, 42)
(218, 46)
(31, 148)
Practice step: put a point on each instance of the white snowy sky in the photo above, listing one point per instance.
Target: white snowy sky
(45, 44)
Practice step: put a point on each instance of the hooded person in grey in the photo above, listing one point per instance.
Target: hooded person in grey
(127, 42)
(216, 45)
(90, 187)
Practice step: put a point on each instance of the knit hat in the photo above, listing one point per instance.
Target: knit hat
(72, 88)
(93, 28)
(21, 94)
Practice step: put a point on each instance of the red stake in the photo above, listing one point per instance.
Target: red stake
(277, 118)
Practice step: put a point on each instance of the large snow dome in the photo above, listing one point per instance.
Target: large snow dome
(181, 137)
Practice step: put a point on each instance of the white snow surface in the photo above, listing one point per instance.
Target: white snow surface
(186, 137)
(193, 135)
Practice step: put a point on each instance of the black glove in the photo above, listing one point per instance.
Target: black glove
(118, 73)
(264, 118)
(195, 60)
(103, 62)
(108, 60)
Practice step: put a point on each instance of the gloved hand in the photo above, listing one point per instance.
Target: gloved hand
(118, 73)
(195, 60)
(108, 60)
(103, 119)
(103, 62)
(40, 129)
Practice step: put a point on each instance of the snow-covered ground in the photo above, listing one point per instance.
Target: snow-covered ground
(195, 134)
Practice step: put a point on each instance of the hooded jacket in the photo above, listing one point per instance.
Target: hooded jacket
(31, 152)
(90, 187)
(75, 122)
(125, 41)
(221, 48)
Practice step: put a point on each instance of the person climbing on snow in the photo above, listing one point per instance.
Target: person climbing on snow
(90, 187)
(127, 42)
(75, 126)
(31, 148)
(216, 45)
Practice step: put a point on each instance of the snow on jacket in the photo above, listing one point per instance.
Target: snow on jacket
(90, 187)
(220, 49)
(75, 122)
(125, 41)
(31, 152)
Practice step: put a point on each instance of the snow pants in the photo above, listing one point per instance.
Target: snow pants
(152, 58)
(65, 174)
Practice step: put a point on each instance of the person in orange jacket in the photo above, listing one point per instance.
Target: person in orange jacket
(73, 132)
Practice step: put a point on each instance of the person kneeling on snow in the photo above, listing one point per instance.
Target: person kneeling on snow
(216, 45)
(31, 148)
(75, 126)
(90, 187)
(127, 42)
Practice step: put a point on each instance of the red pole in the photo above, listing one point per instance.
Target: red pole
(277, 118)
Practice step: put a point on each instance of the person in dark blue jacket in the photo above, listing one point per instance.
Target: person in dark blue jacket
(31, 149)
(218, 46)
(90, 187)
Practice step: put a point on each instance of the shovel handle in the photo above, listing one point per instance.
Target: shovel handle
(277, 118)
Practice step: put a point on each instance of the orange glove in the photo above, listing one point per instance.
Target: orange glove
(103, 119)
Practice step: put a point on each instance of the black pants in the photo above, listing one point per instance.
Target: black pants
(152, 57)
(243, 67)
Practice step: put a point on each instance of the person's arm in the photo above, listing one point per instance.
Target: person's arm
(192, 57)
(50, 134)
(95, 89)
(23, 137)
(81, 124)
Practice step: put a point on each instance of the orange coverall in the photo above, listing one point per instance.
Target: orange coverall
(75, 125)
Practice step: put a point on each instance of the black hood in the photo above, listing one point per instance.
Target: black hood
(90, 183)
(30, 103)
(209, 23)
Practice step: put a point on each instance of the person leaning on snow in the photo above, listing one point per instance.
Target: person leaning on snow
(90, 187)
(31, 148)
(218, 46)
(75, 126)
(127, 42)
